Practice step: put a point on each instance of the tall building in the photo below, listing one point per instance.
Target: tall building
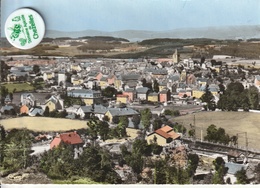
(176, 57)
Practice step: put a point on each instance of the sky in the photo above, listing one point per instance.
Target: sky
(151, 15)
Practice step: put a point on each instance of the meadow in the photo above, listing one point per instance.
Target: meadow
(233, 122)
(18, 87)
(43, 124)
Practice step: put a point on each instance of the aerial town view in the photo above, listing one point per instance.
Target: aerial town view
(132, 107)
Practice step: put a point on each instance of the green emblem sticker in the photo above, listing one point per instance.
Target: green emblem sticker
(24, 28)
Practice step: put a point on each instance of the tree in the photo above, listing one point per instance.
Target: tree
(17, 149)
(4, 93)
(58, 163)
(162, 174)
(157, 123)
(217, 135)
(115, 119)
(168, 112)
(98, 166)
(220, 169)
(4, 71)
(191, 132)
(46, 112)
(62, 114)
(122, 125)
(234, 97)
(142, 147)
(221, 88)
(242, 177)
(144, 82)
(253, 96)
(103, 130)
(146, 116)
(156, 149)
(208, 98)
(155, 86)
(193, 163)
(98, 128)
(135, 158)
(2, 141)
(93, 129)
(202, 59)
(36, 69)
(136, 121)
(109, 92)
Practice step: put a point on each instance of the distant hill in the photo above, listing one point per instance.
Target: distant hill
(229, 32)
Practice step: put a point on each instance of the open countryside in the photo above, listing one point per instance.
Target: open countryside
(233, 122)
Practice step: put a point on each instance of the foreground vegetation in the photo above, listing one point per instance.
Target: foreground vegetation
(76, 181)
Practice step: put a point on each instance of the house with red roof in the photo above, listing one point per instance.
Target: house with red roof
(71, 138)
(162, 136)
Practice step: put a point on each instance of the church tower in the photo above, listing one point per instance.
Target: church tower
(176, 57)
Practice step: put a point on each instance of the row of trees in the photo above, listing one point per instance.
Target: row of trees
(219, 136)
(232, 98)
(236, 96)
(54, 113)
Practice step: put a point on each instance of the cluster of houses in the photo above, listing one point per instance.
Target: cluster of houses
(177, 80)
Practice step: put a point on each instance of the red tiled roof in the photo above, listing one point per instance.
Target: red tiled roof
(166, 128)
(162, 133)
(174, 135)
(167, 132)
(69, 138)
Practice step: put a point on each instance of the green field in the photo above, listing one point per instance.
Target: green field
(232, 122)
(18, 87)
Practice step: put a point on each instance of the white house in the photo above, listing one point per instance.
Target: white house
(27, 99)
(61, 77)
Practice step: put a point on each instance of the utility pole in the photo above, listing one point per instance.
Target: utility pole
(246, 141)
(194, 128)
(201, 135)
(246, 145)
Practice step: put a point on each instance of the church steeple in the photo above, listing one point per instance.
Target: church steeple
(176, 57)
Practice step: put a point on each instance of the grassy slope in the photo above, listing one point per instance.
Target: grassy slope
(54, 124)
(232, 122)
